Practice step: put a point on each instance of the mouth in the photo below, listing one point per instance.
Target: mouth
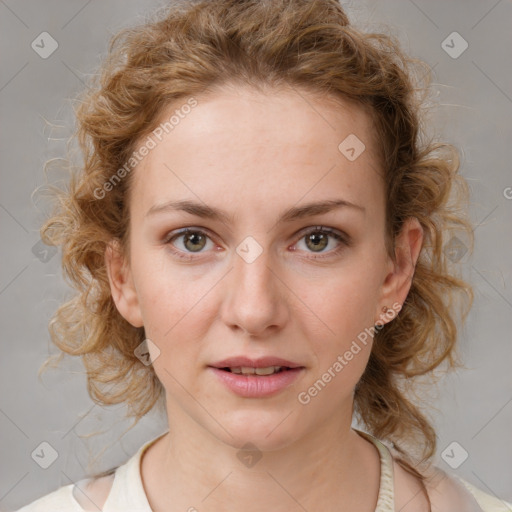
(248, 370)
(257, 377)
(266, 365)
(257, 381)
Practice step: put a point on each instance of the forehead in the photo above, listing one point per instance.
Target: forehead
(241, 143)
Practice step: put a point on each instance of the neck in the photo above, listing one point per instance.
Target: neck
(189, 469)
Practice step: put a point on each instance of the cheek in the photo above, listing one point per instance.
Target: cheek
(346, 304)
(177, 311)
(168, 295)
(342, 340)
(343, 349)
(174, 316)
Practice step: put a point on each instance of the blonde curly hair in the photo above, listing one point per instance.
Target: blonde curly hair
(197, 45)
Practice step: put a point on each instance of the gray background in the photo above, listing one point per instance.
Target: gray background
(475, 105)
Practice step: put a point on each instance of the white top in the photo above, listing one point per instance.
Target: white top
(127, 493)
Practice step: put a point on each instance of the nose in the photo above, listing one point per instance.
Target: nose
(255, 298)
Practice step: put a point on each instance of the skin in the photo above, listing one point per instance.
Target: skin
(254, 156)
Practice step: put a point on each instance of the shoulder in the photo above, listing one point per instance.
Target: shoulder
(92, 493)
(446, 493)
(487, 502)
(85, 495)
(58, 500)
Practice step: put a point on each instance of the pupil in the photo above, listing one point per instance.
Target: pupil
(192, 237)
(317, 239)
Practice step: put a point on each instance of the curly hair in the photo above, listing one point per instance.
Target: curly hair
(195, 47)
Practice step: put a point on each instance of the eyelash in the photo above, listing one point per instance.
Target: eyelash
(345, 241)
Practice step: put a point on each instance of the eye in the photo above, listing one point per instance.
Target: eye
(317, 239)
(194, 240)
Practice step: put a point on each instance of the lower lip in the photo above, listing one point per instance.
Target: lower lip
(258, 386)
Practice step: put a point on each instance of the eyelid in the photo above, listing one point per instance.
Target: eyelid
(183, 231)
(325, 229)
(305, 231)
(342, 237)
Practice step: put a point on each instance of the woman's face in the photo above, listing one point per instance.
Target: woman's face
(251, 280)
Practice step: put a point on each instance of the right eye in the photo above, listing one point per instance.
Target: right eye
(193, 240)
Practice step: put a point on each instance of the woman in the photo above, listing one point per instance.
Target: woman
(256, 241)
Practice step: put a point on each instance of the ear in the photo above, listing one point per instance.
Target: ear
(397, 282)
(122, 287)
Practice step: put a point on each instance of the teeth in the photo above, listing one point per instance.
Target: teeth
(247, 370)
(267, 371)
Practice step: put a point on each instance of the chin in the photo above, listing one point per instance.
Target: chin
(266, 430)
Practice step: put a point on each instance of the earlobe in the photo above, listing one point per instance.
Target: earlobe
(407, 250)
(122, 287)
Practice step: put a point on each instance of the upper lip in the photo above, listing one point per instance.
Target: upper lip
(262, 362)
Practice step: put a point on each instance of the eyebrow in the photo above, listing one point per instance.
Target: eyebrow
(294, 213)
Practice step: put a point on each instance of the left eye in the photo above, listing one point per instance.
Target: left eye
(316, 240)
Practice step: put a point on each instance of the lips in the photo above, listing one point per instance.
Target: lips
(257, 378)
(257, 386)
(262, 362)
